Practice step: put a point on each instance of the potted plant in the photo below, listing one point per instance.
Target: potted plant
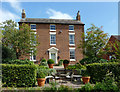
(50, 63)
(65, 63)
(40, 77)
(43, 62)
(60, 63)
(85, 76)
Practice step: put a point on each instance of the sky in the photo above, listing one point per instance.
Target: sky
(98, 13)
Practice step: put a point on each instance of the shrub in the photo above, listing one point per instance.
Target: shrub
(85, 73)
(17, 61)
(47, 71)
(76, 67)
(106, 85)
(60, 62)
(43, 62)
(7, 54)
(40, 74)
(50, 61)
(98, 71)
(66, 61)
(63, 88)
(86, 88)
(18, 75)
(92, 60)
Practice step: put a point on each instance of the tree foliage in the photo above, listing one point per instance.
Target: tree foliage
(114, 49)
(23, 41)
(8, 53)
(117, 49)
(94, 41)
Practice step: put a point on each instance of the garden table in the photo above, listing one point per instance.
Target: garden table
(77, 77)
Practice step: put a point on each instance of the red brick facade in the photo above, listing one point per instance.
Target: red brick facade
(112, 40)
(62, 41)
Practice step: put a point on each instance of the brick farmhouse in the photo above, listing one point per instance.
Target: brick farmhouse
(58, 38)
(112, 40)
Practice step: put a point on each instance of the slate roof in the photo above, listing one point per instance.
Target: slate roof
(50, 21)
(117, 37)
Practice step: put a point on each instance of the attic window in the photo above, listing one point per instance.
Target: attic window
(71, 27)
(33, 26)
(52, 28)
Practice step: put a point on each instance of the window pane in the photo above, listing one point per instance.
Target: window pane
(71, 39)
(71, 27)
(52, 39)
(52, 27)
(72, 54)
(34, 57)
(33, 26)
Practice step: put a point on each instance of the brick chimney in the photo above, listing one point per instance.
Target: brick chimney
(23, 13)
(78, 16)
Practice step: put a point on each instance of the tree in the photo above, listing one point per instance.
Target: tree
(23, 41)
(94, 41)
(8, 53)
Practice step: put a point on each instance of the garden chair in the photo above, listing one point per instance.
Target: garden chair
(70, 76)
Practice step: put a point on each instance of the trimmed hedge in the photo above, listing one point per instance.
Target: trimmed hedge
(75, 67)
(98, 71)
(92, 60)
(17, 61)
(18, 75)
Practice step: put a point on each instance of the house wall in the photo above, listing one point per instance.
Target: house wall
(62, 41)
(111, 40)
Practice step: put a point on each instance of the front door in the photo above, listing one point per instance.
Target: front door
(53, 57)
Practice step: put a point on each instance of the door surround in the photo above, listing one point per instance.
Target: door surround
(53, 50)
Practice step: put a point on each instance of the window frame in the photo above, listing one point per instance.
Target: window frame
(70, 29)
(35, 35)
(72, 39)
(32, 57)
(52, 29)
(30, 27)
(70, 54)
(52, 33)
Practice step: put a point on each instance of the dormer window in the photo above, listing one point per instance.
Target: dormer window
(71, 27)
(52, 27)
(33, 26)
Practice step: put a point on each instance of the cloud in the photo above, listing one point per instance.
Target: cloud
(58, 15)
(6, 15)
(15, 4)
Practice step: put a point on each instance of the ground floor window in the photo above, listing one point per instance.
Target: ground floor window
(32, 57)
(72, 54)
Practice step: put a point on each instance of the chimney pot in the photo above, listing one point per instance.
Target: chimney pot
(78, 16)
(23, 13)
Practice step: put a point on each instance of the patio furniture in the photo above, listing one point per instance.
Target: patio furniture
(47, 79)
(55, 76)
(77, 77)
(70, 76)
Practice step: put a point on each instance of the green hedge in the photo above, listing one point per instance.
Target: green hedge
(76, 66)
(17, 61)
(98, 71)
(18, 75)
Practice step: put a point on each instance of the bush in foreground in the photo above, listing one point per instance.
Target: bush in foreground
(18, 75)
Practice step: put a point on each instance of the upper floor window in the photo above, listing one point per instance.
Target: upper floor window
(33, 26)
(71, 38)
(71, 27)
(52, 39)
(52, 28)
